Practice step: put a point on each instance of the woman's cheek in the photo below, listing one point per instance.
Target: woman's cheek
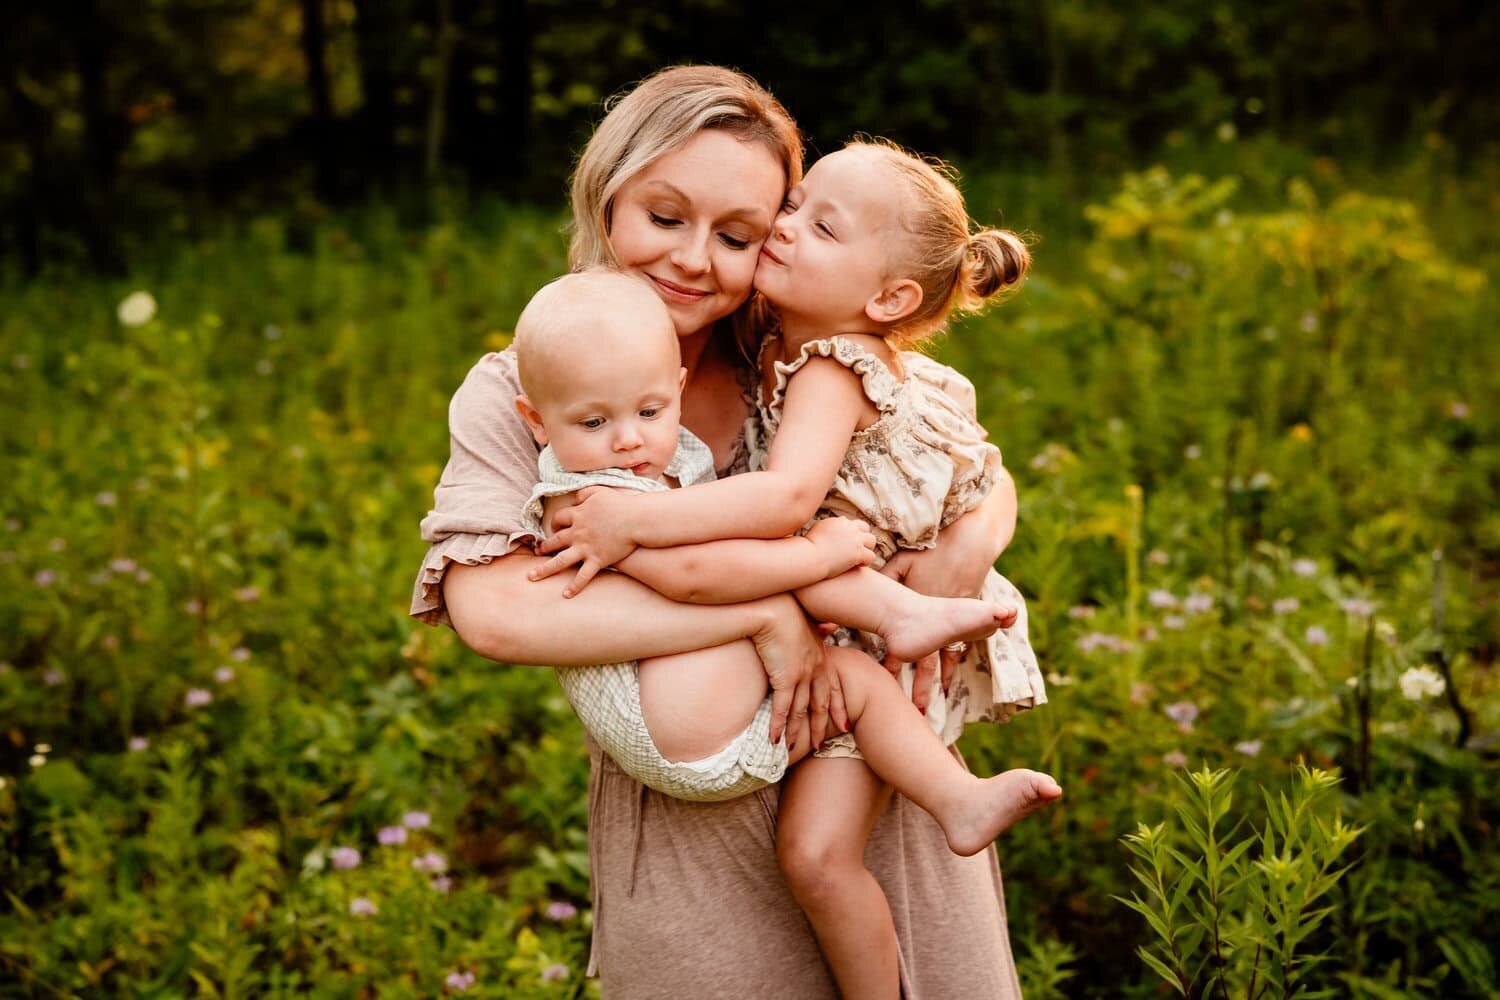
(737, 273)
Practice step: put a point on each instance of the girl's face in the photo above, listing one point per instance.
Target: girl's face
(693, 223)
(829, 249)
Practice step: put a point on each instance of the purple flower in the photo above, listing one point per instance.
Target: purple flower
(110, 642)
(122, 565)
(45, 577)
(416, 820)
(247, 595)
(1175, 622)
(224, 675)
(1183, 713)
(1174, 758)
(389, 835)
(344, 858)
(1091, 641)
(1141, 692)
(1161, 599)
(363, 906)
(197, 697)
(239, 654)
(57, 545)
(432, 862)
(1158, 557)
(1458, 410)
(441, 884)
(52, 677)
(1248, 747)
(1198, 603)
(1304, 567)
(561, 910)
(138, 744)
(1285, 605)
(1316, 635)
(1081, 611)
(143, 575)
(192, 606)
(1358, 607)
(553, 973)
(459, 982)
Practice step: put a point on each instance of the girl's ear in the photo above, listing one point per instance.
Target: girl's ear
(533, 419)
(894, 302)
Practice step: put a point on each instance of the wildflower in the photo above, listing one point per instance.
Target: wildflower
(561, 910)
(138, 744)
(390, 835)
(1175, 622)
(1192, 453)
(1316, 635)
(1081, 611)
(1301, 432)
(1226, 132)
(1304, 567)
(1417, 825)
(1386, 633)
(143, 575)
(459, 982)
(1183, 713)
(555, 972)
(45, 577)
(416, 820)
(239, 654)
(1285, 605)
(1174, 758)
(1458, 410)
(1358, 607)
(271, 331)
(344, 858)
(1421, 682)
(247, 595)
(1248, 747)
(37, 759)
(100, 578)
(1198, 603)
(432, 862)
(1141, 692)
(1351, 682)
(136, 309)
(1091, 641)
(57, 545)
(52, 677)
(110, 642)
(1157, 557)
(1309, 321)
(192, 606)
(1161, 599)
(1149, 634)
(197, 697)
(363, 906)
(43, 748)
(105, 499)
(441, 884)
(224, 675)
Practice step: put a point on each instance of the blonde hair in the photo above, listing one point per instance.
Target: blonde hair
(957, 266)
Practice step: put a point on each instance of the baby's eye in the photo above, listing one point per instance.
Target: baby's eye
(592, 423)
(650, 412)
(733, 242)
(666, 222)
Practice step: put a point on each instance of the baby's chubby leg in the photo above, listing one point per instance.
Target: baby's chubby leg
(912, 624)
(696, 703)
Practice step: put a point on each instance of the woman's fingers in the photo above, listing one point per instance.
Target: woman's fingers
(817, 715)
(836, 707)
(949, 659)
(921, 682)
(781, 707)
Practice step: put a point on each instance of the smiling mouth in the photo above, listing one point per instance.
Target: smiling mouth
(678, 293)
(766, 252)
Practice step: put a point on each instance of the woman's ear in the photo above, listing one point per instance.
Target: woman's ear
(533, 419)
(894, 302)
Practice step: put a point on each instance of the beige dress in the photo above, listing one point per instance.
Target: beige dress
(688, 900)
(920, 466)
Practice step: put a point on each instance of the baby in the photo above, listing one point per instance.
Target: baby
(602, 378)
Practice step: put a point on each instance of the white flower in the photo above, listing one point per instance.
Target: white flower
(1358, 607)
(1198, 603)
(1192, 453)
(1421, 682)
(224, 675)
(1161, 599)
(137, 309)
(1248, 747)
(361, 906)
(1285, 605)
(1316, 635)
(1174, 758)
(1158, 557)
(1175, 622)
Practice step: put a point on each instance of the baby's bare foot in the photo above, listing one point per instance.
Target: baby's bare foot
(1003, 801)
(926, 624)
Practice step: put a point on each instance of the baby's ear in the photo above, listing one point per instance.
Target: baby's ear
(893, 303)
(533, 419)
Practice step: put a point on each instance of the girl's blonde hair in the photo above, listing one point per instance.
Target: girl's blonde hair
(664, 111)
(958, 266)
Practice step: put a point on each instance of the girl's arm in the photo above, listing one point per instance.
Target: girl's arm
(825, 405)
(503, 616)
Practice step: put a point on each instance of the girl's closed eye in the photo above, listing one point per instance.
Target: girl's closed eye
(824, 229)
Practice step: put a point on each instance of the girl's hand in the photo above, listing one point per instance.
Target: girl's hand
(843, 544)
(595, 531)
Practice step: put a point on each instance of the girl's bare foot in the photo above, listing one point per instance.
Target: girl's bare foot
(922, 625)
(973, 823)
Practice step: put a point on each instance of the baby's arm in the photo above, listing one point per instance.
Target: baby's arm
(825, 405)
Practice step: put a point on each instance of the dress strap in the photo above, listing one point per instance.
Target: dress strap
(880, 386)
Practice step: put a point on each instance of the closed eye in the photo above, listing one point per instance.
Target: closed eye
(823, 228)
(666, 222)
(733, 242)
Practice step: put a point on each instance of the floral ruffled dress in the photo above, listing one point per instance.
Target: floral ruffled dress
(922, 465)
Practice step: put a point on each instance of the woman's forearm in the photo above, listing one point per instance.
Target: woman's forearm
(998, 513)
(503, 616)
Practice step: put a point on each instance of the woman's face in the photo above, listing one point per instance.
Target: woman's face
(693, 223)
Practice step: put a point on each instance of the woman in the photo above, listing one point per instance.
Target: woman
(680, 184)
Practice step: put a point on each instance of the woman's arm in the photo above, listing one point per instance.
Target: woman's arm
(825, 404)
(502, 615)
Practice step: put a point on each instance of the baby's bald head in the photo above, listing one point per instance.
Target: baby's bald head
(590, 316)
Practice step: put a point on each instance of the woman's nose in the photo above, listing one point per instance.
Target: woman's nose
(691, 255)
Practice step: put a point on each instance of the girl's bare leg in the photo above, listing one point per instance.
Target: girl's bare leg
(912, 624)
(828, 808)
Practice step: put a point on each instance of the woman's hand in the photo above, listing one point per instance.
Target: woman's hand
(956, 566)
(791, 651)
(594, 531)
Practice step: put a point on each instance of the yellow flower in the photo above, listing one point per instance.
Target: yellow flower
(1301, 432)
(497, 340)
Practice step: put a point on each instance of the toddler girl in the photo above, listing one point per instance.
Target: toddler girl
(871, 254)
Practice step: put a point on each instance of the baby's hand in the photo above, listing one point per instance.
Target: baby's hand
(593, 534)
(843, 543)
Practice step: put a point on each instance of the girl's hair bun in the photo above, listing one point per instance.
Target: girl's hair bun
(998, 258)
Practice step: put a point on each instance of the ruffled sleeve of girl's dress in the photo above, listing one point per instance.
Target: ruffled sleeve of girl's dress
(476, 515)
(944, 401)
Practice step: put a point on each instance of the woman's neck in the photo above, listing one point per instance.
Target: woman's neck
(696, 350)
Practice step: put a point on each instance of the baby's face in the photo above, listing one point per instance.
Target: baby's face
(830, 246)
(615, 407)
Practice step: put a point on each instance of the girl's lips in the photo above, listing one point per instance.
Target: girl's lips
(766, 252)
(677, 293)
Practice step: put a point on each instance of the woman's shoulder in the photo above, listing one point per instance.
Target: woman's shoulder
(490, 387)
